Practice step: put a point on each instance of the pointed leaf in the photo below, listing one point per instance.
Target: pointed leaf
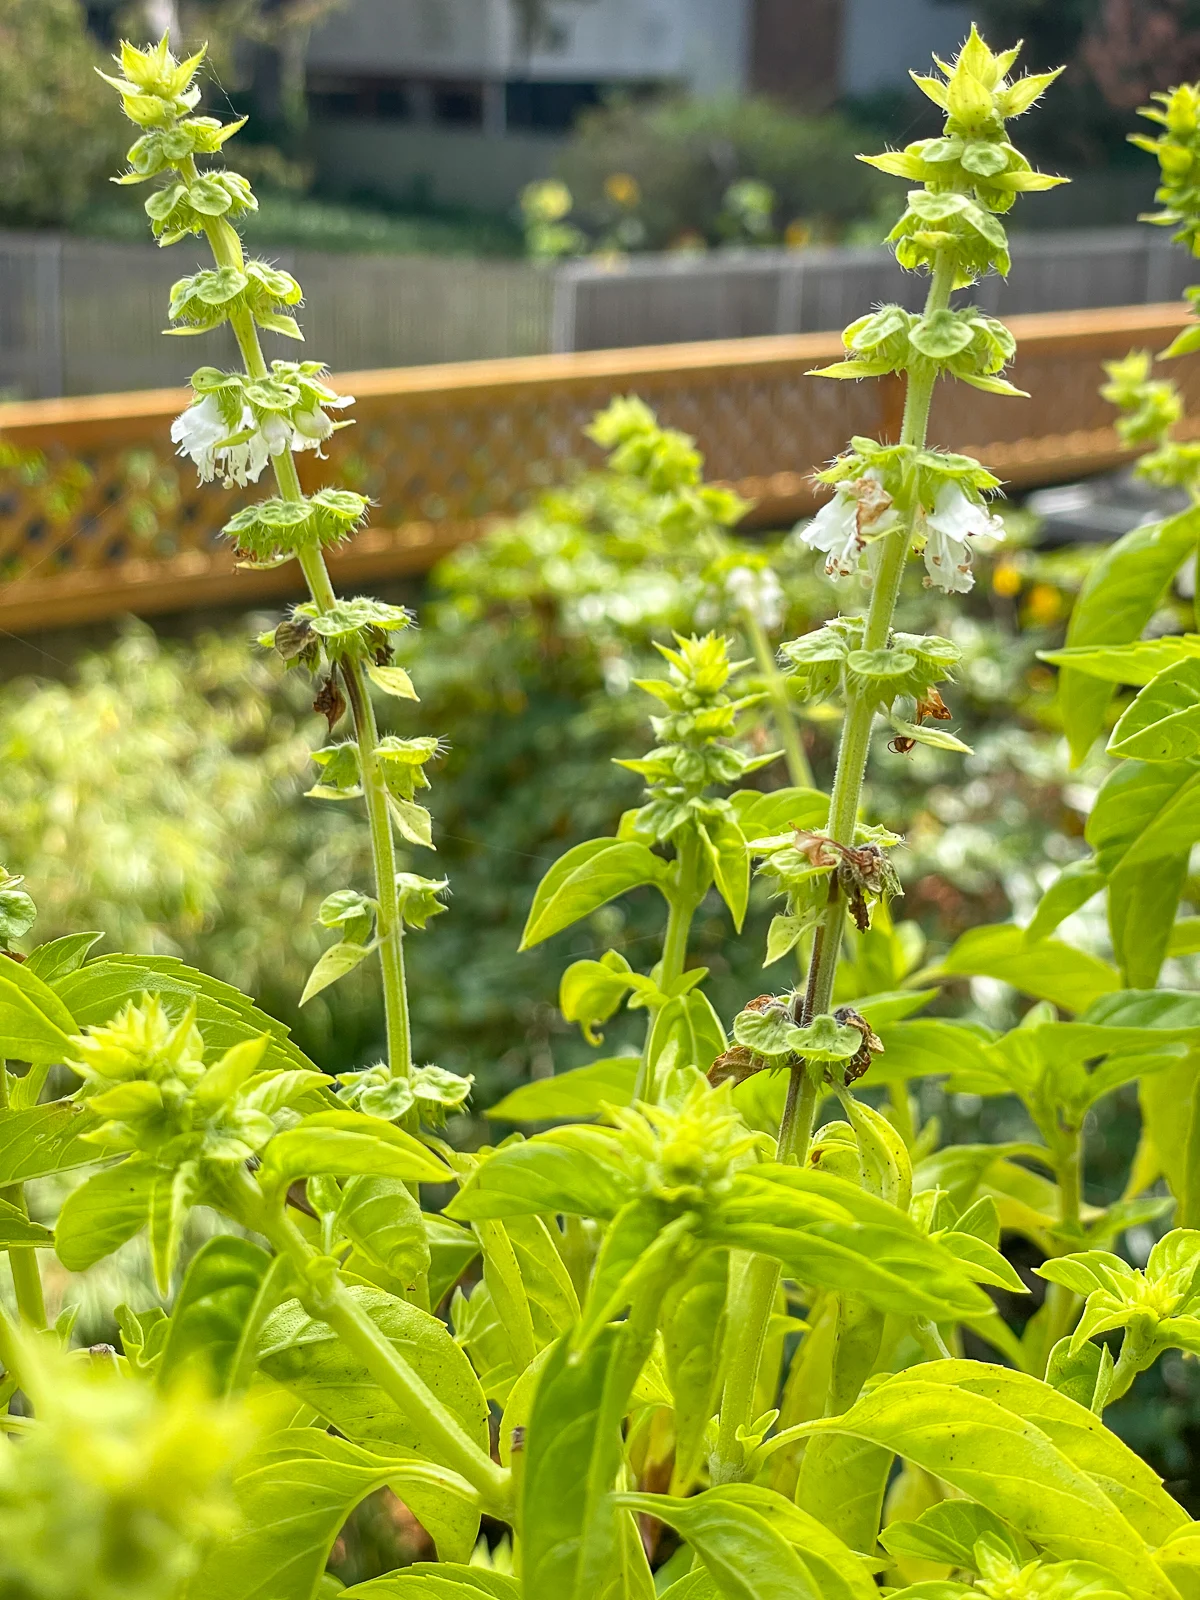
(582, 1092)
(586, 878)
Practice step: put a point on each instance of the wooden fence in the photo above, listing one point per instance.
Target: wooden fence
(444, 450)
(79, 315)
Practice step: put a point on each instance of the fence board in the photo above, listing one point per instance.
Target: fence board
(444, 450)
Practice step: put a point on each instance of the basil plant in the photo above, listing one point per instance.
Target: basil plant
(717, 1324)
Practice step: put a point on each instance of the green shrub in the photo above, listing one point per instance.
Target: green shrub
(60, 134)
(690, 162)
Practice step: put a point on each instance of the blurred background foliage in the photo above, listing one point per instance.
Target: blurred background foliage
(678, 173)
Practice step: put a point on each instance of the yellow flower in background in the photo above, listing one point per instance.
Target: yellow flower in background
(547, 200)
(1006, 580)
(623, 189)
(1043, 605)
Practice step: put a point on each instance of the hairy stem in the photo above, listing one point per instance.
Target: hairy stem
(227, 251)
(786, 726)
(327, 1299)
(749, 1314)
(795, 1132)
(1062, 1304)
(682, 905)
(26, 1274)
(860, 710)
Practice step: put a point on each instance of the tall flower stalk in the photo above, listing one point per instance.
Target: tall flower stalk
(239, 422)
(889, 500)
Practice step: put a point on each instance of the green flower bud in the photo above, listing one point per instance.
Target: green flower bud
(1177, 150)
(120, 1487)
(686, 1152)
(691, 754)
(146, 1078)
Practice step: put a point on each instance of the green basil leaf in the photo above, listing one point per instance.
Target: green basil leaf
(1135, 663)
(1118, 598)
(295, 1493)
(103, 1213)
(35, 1024)
(1047, 970)
(61, 956)
(572, 1170)
(381, 1219)
(41, 1140)
(1163, 722)
(16, 1230)
(582, 1092)
(230, 1288)
(586, 878)
(333, 964)
(343, 1144)
(443, 1581)
(312, 1363)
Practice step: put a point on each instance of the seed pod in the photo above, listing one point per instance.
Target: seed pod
(872, 1044)
(330, 702)
(293, 637)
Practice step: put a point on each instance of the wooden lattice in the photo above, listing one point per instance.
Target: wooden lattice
(444, 450)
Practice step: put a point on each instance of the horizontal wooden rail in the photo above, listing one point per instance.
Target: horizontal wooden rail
(443, 451)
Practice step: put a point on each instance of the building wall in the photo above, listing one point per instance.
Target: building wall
(691, 41)
(882, 39)
(796, 51)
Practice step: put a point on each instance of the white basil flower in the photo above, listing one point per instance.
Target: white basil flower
(859, 513)
(313, 427)
(199, 432)
(953, 522)
(759, 593)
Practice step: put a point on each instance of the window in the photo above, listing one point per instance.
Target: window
(548, 107)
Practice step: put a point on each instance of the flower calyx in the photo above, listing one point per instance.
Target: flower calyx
(236, 424)
(186, 207)
(812, 871)
(770, 1032)
(208, 298)
(163, 149)
(832, 657)
(965, 344)
(878, 488)
(275, 531)
(357, 629)
(402, 762)
(433, 1092)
